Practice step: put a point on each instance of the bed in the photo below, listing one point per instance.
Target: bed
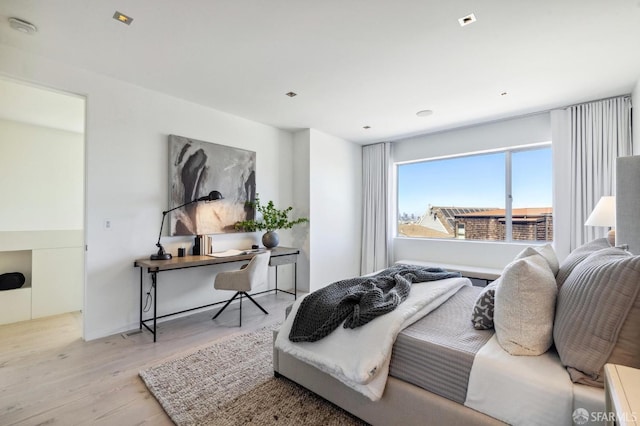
(448, 368)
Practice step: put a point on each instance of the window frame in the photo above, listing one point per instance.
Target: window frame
(508, 151)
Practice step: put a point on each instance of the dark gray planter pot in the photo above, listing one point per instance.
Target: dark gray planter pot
(270, 239)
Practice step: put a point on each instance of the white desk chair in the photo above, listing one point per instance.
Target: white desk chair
(243, 280)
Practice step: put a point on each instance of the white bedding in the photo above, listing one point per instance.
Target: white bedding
(591, 399)
(360, 357)
(520, 390)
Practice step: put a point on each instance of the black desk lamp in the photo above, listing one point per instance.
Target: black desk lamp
(161, 255)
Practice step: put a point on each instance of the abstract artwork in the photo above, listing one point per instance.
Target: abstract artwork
(195, 169)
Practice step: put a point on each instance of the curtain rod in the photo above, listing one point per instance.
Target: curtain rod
(628, 95)
(530, 114)
(513, 117)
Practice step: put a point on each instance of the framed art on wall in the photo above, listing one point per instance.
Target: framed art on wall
(197, 168)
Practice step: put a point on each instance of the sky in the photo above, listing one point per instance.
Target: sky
(476, 181)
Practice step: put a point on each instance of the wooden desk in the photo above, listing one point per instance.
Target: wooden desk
(279, 256)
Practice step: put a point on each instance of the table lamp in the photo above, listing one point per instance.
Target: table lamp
(604, 214)
(162, 255)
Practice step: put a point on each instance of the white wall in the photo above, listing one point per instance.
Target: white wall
(335, 182)
(491, 136)
(333, 196)
(41, 171)
(126, 176)
(497, 135)
(635, 116)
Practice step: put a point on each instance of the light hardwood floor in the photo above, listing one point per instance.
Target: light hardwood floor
(49, 375)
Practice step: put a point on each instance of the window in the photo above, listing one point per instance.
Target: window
(500, 196)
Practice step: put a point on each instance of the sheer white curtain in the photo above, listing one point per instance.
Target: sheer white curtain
(375, 207)
(597, 132)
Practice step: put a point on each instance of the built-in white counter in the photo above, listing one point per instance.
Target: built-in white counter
(53, 265)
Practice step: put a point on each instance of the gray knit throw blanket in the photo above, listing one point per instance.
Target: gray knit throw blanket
(356, 301)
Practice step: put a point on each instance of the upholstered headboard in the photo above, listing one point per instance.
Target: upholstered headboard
(628, 202)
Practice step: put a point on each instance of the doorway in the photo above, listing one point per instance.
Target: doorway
(42, 161)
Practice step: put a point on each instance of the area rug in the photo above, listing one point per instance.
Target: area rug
(231, 382)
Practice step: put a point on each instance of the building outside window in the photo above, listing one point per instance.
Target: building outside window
(498, 196)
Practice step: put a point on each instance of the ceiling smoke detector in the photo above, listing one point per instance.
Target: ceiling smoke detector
(466, 20)
(22, 26)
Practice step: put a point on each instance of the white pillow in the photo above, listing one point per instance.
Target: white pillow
(525, 306)
(545, 251)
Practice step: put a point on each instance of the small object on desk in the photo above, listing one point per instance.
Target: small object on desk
(255, 247)
(196, 245)
(181, 252)
(234, 252)
(227, 253)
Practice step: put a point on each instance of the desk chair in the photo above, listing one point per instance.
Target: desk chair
(243, 280)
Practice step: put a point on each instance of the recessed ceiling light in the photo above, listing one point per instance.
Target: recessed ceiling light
(366, 127)
(118, 16)
(291, 94)
(466, 20)
(503, 94)
(424, 113)
(22, 26)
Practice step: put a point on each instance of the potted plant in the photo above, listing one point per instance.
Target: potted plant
(272, 220)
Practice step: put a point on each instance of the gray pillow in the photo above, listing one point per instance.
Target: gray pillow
(524, 306)
(482, 315)
(598, 315)
(577, 256)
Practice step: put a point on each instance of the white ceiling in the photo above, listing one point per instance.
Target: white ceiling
(353, 63)
(42, 107)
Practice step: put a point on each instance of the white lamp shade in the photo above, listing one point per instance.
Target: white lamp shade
(604, 213)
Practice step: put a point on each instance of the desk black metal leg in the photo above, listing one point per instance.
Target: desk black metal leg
(276, 280)
(295, 280)
(140, 298)
(154, 278)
